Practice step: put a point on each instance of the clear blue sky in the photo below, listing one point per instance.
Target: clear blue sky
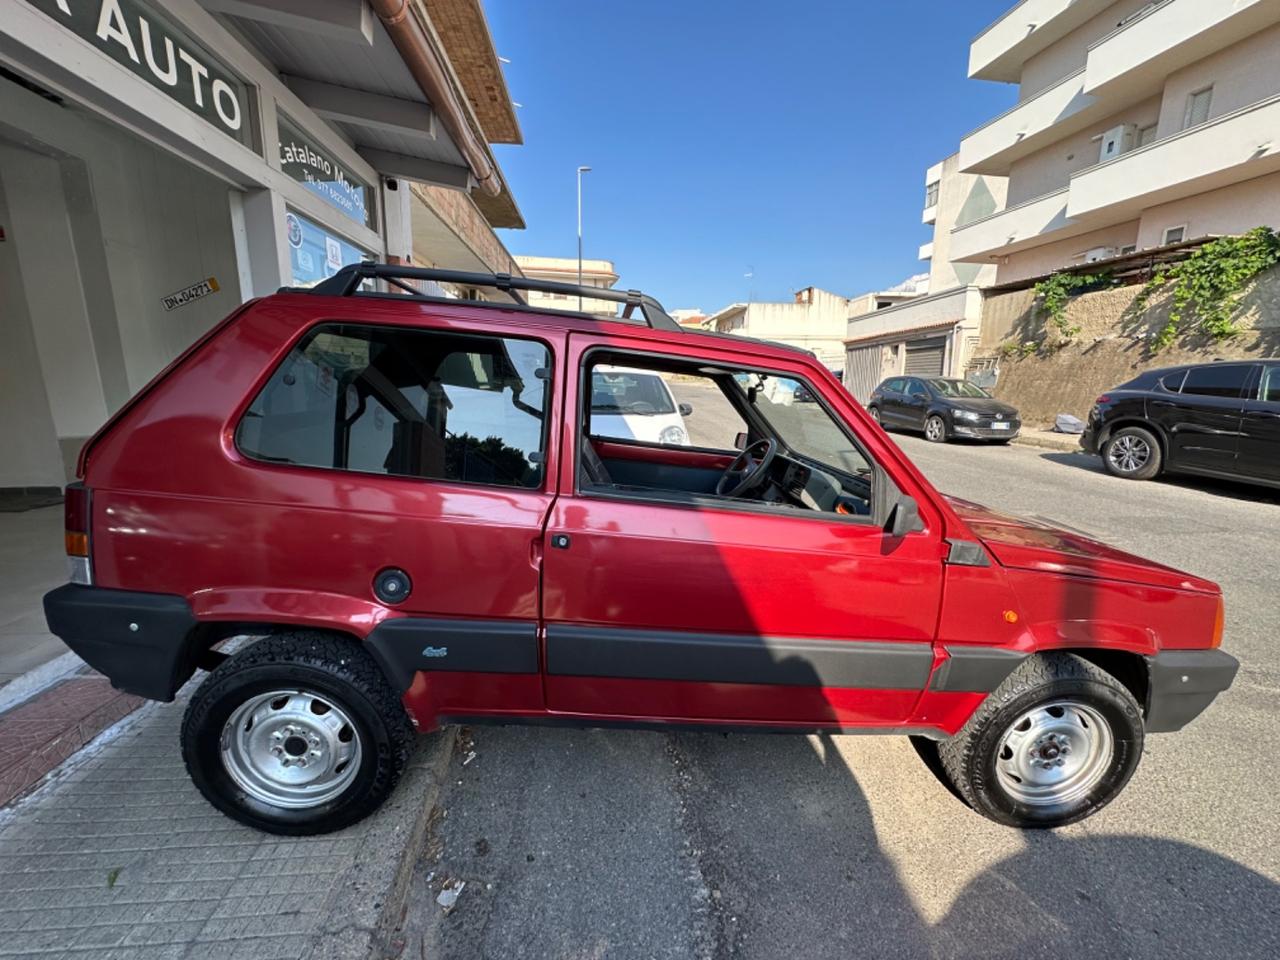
(787, 139)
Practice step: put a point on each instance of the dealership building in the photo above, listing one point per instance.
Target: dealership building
(162, 162)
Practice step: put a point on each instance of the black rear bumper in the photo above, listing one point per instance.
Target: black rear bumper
(142, 642)
(1183, 683)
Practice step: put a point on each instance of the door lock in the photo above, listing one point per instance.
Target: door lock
(560, 541)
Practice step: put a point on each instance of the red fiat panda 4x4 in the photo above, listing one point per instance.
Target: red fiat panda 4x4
(428, 511)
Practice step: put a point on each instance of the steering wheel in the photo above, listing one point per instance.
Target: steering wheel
(748, 469)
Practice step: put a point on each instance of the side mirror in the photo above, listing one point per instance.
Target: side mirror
(686, 409)
(904, 518)
(740, 442)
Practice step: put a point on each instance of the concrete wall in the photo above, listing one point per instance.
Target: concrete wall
(1240, 75)
(1114, 345)
(1068, 55)
(1051, 168)
(30, 451)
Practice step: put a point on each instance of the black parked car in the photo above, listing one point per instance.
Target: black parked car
(1215, 419)
(943, 409)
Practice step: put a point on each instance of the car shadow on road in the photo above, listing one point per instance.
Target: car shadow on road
(1218, 488)
(789, 846)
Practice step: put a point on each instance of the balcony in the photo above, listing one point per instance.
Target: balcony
(1049, 116)
(1231, 149)
(926, 251)
(1138, 57)
(1027, 225)
(1031, 26)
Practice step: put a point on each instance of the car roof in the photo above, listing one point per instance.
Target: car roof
(537, 319)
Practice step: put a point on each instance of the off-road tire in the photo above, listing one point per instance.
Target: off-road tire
(1148, 470)
(337, 669)
(969, 758)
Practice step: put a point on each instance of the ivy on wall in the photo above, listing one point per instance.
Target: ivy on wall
(1207, 286)
(1056, 292)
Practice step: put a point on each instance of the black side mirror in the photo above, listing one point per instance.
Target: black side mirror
(904, 518)
(686, 409)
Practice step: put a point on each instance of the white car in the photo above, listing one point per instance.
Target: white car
(629, 404)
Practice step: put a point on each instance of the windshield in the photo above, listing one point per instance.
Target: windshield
(629, 392)
(805, 427)
(958, 388)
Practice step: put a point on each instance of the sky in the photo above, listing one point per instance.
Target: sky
(788, 141)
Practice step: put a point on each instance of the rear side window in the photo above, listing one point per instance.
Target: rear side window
(407, 403)
(1218, 380)
(1271, 385)
(893, 386)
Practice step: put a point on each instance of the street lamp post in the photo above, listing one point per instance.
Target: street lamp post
(581, 171)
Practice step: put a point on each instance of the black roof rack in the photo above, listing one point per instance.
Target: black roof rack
(346, 283)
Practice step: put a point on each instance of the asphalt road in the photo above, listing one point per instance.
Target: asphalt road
(604, 844)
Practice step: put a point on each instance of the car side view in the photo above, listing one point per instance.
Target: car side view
(1210, 419)
(943, 409)
(413, 512)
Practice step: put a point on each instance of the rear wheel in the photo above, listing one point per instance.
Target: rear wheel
(935, 429)
(296, 734)
(875, 414)
(1055, 743)
(1132, 453)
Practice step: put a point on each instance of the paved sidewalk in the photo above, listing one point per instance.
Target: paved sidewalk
(118, 856)
(1049, 440)
(31, 563)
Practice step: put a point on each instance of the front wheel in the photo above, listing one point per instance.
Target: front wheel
(875, 415)
(935, 429)
(1055, 743)
(297, 734)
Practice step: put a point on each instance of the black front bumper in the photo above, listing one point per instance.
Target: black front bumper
(142, 642)
(1183, 683)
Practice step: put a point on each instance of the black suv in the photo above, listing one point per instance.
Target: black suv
(1215, 419)
(943, 409)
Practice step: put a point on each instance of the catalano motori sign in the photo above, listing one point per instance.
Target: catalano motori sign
(153, 47)
(302, 159)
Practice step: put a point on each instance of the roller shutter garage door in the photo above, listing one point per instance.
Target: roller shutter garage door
(862, 371)
(925, 357)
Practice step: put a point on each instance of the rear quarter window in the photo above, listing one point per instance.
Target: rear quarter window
(408, 403)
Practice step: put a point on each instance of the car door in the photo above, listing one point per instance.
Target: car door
(1259, 456)
(890, 402)
(915, 404)
(1203, 420)
(719, 611)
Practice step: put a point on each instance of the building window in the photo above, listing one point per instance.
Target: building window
(1198, 106)
(406, 403)
(1126, 250)
(1147, 135)
(315, 253)
(1175, 234)
(931, 194)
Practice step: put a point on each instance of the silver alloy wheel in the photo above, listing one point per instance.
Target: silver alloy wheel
(1054, 754)
(934, 428)
(875, 414)
(1129, 454)
(291, 748)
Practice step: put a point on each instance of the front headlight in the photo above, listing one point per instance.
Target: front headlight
(673, 435)
(967, 415)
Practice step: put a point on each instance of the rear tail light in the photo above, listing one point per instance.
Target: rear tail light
(1102, 399)
(76, 532)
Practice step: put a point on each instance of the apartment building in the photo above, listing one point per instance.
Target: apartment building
(1138, 124)
(936, 332)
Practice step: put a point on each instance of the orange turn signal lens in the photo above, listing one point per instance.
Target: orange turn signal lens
(1219, 623)
(1010, 616)
(77, 544)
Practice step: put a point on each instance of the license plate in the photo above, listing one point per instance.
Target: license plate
(1001, 426)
